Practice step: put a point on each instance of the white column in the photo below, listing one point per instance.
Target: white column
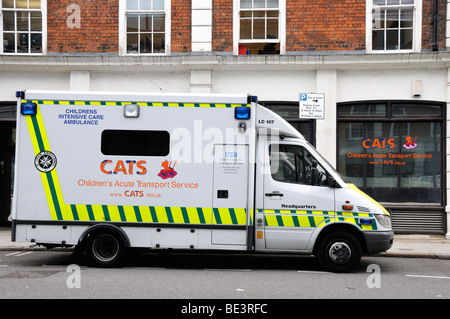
(201, 81)
(80, 80)
(326, 128)
(201, 25)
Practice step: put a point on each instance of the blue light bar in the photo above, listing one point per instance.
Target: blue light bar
(242, 113)
(28, 108)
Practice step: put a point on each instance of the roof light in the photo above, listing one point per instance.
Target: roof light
(131, 110)
(28, 108)
(242, 113)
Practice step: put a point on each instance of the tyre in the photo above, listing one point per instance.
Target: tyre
(105, 249)
(339, 252)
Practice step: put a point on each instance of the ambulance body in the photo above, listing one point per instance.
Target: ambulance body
(107, 172)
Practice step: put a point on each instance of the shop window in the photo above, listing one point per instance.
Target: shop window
(22, 26)
(393, 24)
(260, 26)
(396, 158)
(146, 26)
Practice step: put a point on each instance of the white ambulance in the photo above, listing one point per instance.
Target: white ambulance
(108, 172)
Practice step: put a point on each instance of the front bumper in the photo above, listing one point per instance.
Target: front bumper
(378, 241)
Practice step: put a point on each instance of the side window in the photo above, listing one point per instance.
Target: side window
(294, 164)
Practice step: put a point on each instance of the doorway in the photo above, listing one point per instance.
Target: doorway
(7, 158)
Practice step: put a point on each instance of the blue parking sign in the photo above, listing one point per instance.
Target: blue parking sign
(303, 97)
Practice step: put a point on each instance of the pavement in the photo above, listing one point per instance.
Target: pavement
(414, 246)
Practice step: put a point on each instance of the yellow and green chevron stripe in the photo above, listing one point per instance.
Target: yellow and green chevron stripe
(155, 104)
(159, 214)
(303, 218)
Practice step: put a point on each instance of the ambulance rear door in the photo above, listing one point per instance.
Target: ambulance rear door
(230, 189)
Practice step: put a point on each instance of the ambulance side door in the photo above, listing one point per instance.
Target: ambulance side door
(295, 201)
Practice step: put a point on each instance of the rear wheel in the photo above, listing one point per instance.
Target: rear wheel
(339, 252)
(105, 249)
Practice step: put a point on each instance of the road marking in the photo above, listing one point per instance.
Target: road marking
(312, 272)
(15, 253)
(19, 253)
(23, 254)
(423, 276)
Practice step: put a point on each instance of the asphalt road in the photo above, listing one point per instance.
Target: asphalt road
(48, 274)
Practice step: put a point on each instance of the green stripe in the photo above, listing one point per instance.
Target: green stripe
(106, 213)
(279, 220)
(38, 133)
(295, 218)
(90, 212)
(54, 196)
(122, 214)
(74, 212)
(217, 215)
(138, 214)
(185, 215)
(200, 215)
(312, 223)
(153, 213)
(233, 216)
(169, 214)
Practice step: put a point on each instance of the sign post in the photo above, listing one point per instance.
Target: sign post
(312, 106)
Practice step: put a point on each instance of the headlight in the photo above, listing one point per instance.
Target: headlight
(384, 220)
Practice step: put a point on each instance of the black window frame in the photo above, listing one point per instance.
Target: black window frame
(116, 142)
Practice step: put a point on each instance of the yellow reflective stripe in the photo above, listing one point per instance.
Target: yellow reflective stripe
(286, 218)
(241, 216)
(177, 215)
(130, 215)
(193, 215)
(50, 180)
(114, 214)
(155, 104)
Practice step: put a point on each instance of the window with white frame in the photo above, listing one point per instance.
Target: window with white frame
(395, 25)
(261, 26)
(146, 26)
(22, 24)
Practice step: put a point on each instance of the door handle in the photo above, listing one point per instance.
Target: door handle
(274, 194)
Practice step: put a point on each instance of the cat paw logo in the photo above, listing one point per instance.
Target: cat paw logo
(410, 142)
(168, 170)
(45, 161)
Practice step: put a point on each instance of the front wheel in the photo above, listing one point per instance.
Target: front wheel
(339, 252)
(105, 249)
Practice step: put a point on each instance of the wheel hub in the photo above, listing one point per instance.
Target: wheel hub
(340, 252)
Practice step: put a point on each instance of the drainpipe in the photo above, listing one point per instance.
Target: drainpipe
(435, 25)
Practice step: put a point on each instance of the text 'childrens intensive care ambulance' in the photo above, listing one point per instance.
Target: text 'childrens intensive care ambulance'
(107, 172)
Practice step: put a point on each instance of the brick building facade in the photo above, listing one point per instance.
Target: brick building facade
(309, 26)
